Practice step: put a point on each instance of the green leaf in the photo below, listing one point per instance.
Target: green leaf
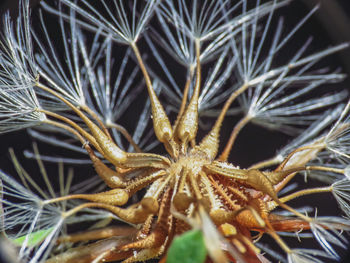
(33, 238)
(187, 248)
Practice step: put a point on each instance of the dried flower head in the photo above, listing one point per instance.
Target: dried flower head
(78, 86)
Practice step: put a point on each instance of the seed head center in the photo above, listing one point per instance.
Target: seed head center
(191, 162)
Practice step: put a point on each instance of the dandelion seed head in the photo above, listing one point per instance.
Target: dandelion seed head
(109, 88)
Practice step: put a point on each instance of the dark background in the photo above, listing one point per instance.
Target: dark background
(329, 26)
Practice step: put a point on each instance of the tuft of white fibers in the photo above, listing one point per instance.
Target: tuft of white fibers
(312, 133)
(66, 77)
(306, 256)
(347, 172)
(30, 220)
(328, 231)
(277, 97)
(84, 74)
(123, 28)
(26, 214)
(338, 138)
(211, 22)
(18, 101)
(341, 192)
